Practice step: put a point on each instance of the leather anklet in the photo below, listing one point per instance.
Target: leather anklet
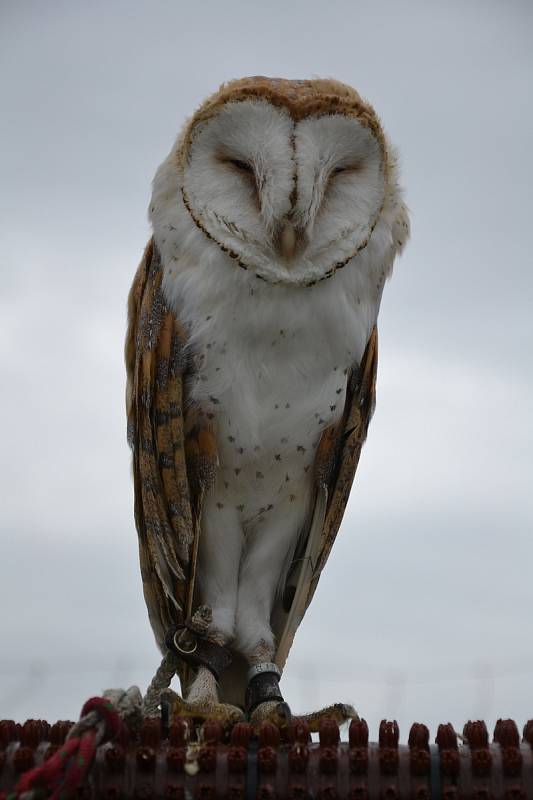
(197, 651)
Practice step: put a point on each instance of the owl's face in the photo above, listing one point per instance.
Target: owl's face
(290, 191)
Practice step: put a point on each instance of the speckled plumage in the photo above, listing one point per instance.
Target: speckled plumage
(267, 372)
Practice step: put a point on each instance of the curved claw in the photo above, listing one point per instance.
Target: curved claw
(284, 713)
(340, 712)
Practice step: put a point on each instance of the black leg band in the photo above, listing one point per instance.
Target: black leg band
(262, 688)
(192, 648)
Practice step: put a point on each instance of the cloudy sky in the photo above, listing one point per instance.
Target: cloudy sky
(424, 610)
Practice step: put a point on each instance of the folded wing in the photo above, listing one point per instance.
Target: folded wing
(335, 466)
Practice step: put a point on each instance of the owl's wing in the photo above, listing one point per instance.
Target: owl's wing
(335, 465)
(174, 455)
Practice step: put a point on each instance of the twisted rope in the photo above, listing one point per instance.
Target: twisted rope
(198, 623)
(61, 775)
(101, 720)
(160, 682)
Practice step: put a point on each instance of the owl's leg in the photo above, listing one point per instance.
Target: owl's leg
(221, 541)
(218, 571)
(268, 552)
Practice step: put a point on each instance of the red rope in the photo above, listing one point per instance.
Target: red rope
(60, 777)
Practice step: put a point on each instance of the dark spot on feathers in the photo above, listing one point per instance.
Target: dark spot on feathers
(175, 411)
(214, 400)
(287, 479)
(210, 415)
(287, 405)
(236, 470)
(226, 485)
(220, 505)
(284, 440)
(300, 448)
(231, 438)
(161, 418)
(240, 450)
(338, 391)
(270, 507)
(148, 485)
(332, 408)
(278, 456)
(259, 475)
(240, 508)
(292, 497)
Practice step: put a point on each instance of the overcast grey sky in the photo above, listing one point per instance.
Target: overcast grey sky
(424, 610)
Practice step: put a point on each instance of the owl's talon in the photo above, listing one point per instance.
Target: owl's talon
(271, 711)
(340, 712)
(202, 710)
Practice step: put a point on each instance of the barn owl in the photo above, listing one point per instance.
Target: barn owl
(251, 356)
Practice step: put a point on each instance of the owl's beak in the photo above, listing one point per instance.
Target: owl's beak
(289, 241)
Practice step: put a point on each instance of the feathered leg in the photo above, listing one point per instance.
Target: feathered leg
(218, 572)
(268, 551)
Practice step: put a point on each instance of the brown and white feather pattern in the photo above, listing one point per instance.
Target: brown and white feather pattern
(174, 456)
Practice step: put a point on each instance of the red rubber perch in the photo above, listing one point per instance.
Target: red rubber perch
(270, 762)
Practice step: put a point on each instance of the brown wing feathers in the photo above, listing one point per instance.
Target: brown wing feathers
(340, 448)
(156, 363)
(334, 470)
(358, 413)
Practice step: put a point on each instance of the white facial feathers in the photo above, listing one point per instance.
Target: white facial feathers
(290, 200)
(340, 180)
(233, 203)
